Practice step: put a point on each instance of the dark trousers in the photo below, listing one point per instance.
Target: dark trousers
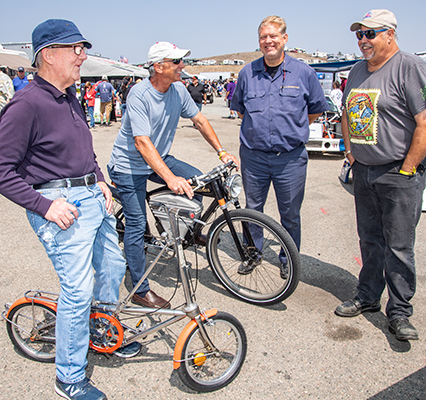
(388, 208)
(287, 172)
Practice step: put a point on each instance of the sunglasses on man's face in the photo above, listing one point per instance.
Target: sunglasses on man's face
(370, 34)
(175, 61)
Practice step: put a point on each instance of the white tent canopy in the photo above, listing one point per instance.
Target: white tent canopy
(97, 66)
(15, 59)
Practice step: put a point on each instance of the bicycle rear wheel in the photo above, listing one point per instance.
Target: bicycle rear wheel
(205, 370)
(31, 328)
(266, 283)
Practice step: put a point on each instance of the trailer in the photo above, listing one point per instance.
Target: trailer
(325, 133)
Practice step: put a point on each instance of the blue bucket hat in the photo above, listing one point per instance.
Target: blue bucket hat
(56, 31)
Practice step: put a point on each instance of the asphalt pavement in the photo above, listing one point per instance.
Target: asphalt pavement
(297, 349)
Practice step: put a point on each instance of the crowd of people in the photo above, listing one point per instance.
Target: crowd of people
(277, 97)
(9, 87)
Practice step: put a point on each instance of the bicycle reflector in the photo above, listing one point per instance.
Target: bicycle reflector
(233, 185)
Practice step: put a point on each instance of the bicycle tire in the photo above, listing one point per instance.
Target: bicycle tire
(206, 371)
(264, 285)
(34, 342)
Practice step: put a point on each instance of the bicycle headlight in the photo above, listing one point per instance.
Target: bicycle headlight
(233, 185)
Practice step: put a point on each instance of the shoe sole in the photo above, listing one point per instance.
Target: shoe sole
(127, 355)
(403, 338)
(61, 393)
(369, 309)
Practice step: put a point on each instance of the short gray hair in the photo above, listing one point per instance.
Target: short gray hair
(39, 60)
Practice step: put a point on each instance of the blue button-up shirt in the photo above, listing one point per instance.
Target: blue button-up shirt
(276, 109)
(19, 83)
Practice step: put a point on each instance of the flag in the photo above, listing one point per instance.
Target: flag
(124, 60)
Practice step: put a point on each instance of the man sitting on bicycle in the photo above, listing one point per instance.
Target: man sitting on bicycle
(141, 149)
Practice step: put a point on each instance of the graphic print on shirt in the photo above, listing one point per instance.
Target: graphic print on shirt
(363, 115)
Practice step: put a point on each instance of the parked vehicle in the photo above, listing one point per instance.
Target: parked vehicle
(325, 134)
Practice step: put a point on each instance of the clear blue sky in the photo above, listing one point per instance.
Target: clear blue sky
(210, 28)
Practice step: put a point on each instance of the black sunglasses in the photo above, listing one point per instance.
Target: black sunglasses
(175, 61)
(370, 34)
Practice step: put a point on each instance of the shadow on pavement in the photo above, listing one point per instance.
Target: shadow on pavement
(342, 285)
(411, 387)
(165, 273)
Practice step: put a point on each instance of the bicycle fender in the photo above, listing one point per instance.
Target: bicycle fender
(39, 300)
(184, 334)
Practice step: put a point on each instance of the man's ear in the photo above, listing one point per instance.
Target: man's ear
(158, 68)
(47, 55)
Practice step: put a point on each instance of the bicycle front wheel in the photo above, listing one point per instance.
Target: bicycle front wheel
(206, 370)
(266, 281)
(31, 328)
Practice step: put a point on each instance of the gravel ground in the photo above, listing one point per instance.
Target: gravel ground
(297, 349)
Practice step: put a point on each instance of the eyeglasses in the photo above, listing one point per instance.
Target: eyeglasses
(78, 49)
(370, 34)
(175, 61)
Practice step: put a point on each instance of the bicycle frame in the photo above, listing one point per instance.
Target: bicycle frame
(214, 190)
(112, 312)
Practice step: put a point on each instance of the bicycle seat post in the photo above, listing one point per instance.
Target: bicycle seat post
(183, 266)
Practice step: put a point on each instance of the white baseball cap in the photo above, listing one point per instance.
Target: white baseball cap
(161, 50)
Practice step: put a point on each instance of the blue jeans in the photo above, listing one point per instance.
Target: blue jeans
(287, 172)
(132, 191)
(388, 208)
(91, 115)
(123, 109)
(89, 263)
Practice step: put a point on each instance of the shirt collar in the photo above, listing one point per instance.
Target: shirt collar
(259, 64)
(45, 85)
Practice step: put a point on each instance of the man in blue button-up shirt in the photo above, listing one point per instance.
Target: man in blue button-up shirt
(277, 97)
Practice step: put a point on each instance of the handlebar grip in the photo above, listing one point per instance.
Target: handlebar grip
(186, 213)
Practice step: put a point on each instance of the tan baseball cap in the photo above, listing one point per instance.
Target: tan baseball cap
(376, 19)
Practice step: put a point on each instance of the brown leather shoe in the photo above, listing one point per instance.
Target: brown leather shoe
(150, 300)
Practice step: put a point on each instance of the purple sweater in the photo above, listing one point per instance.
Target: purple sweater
(43, 136)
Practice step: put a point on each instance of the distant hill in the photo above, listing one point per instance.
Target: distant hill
(248, 57)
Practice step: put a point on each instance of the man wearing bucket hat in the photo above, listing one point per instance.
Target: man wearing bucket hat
(384, 129)
(141, 149)
(48, 166)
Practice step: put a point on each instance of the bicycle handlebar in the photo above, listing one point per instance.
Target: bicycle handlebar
(212, 174)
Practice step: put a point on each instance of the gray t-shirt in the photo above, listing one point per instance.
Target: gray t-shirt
(381, 107)
(154, 114)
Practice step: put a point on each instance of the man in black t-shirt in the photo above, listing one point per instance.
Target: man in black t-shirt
(197, 92)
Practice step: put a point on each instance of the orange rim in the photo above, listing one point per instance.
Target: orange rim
(115, 339)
